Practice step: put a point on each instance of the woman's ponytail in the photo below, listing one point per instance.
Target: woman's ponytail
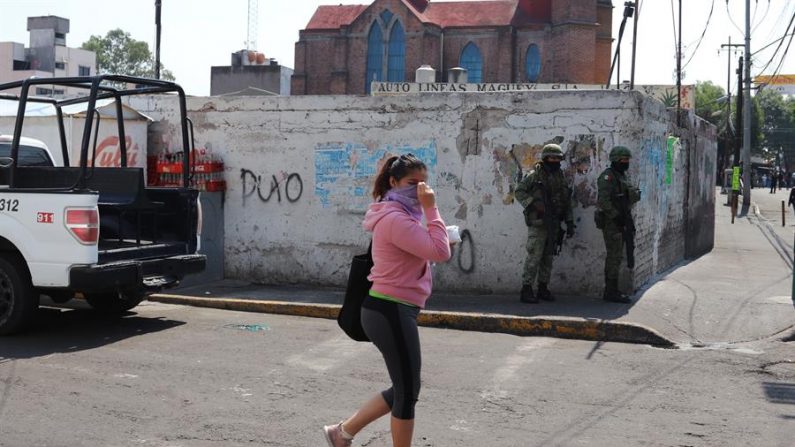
(382, 180)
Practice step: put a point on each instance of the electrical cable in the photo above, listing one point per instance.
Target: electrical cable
(673, 21)
(704, 33)
(729, 14)
(780, 43)
(764, 16)
(780, 63)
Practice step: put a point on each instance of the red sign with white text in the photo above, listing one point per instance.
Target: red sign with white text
(45, 218)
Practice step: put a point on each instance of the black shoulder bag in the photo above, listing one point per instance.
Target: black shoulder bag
(350, 316)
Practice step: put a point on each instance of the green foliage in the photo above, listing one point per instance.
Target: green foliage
(669, 98)
(711, 104)
(118, 53)
(777, 123)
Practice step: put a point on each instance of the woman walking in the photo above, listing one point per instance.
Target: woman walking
(402, 251)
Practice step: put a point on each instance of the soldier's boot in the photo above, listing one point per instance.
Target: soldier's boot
(544, 293)
(612, 293)
(527, 295)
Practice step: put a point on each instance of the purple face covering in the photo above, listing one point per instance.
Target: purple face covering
(407, 197)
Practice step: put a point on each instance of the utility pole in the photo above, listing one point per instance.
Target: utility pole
(634, 43)
(740, 114)
(157, 38)
(629, 10)
(737, 141)
(729, 47)
(747, 112)
(679, 72)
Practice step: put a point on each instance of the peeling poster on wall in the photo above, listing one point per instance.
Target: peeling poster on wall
(669, 159)
(344, 172)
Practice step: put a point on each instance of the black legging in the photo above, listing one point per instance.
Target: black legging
(392, 327)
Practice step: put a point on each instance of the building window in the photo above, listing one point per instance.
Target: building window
(386, 16)
(396, 71)
(60, 65)
(375, 56)
(533, 63)
(473, 62)
(83, 71)
(43, 91)
(21, 65)
(58, 92)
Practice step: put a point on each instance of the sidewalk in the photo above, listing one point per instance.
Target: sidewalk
(738, 292)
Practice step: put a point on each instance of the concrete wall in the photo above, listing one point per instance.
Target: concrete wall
(299, 171)
(231, 79)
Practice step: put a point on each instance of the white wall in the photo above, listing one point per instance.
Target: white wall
(314, 157)
(45, 128)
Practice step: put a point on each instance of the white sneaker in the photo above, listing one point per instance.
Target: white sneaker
(334, 437)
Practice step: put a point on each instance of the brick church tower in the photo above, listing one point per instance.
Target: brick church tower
(345, 47)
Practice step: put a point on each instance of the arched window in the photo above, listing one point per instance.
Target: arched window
(396, 69)
(375, 56)
(533, 63)
(471, 60)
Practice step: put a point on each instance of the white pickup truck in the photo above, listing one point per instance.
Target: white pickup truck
(97, 232)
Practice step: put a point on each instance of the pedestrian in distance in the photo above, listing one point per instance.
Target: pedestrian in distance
(402, 250)
(545, 197)
(792, 199)
(773, 183)
(614, 217)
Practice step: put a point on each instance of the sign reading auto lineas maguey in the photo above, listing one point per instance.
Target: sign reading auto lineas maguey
(665, 93)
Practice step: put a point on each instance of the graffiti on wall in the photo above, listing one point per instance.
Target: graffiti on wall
(109, 153)
(344, 172)
(271, 189)
(583, 159)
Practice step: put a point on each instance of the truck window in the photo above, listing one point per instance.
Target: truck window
(28, 155)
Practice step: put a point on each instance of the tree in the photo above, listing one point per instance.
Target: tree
(711, 104)
(118, 53)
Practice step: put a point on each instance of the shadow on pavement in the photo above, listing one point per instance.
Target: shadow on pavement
(504, 304)
(780, 393)
(59, 330)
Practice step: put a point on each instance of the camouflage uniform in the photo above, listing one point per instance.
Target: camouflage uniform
(530, 194)
(613, 185)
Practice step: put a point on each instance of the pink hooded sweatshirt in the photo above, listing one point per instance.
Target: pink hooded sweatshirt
(403, 249)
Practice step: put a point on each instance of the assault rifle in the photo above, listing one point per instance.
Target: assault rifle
(555, 233)
(627, 223)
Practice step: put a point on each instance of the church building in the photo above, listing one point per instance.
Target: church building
(345, 47)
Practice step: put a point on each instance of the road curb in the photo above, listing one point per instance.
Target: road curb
(559, 327)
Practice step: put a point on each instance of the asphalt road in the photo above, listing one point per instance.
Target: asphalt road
(179, 376)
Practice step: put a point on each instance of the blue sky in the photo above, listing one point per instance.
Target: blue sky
(198, 34)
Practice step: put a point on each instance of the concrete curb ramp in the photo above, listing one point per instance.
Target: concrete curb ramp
(560, 327)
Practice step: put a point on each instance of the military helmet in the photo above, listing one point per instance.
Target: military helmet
(551, 150)
(619, 152)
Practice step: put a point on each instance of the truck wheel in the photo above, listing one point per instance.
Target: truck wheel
(114, 302)
(18, 299)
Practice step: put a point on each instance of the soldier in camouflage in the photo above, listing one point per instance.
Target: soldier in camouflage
(546, 199)
(614, 217)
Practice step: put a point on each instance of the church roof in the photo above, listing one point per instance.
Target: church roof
(463, 14)
(334, 16)
(444, 14)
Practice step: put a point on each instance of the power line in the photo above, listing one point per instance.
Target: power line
(780, 43)
(781, 62)
(763, 16)
(771, 43)
(701, 39)
(673, 21)
(729, 13)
